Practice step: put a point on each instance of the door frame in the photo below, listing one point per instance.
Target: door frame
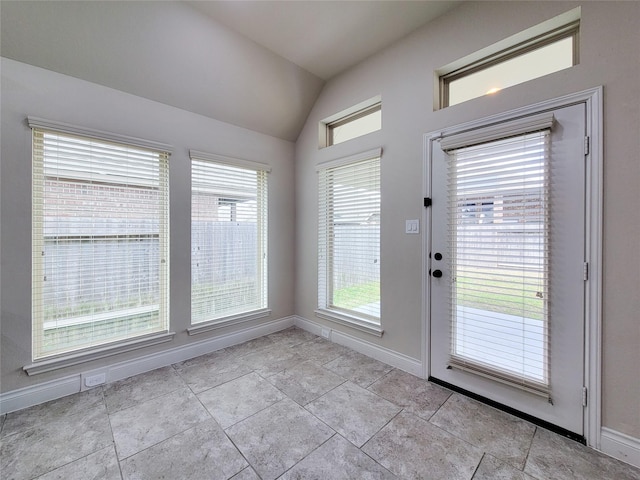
(593, 101)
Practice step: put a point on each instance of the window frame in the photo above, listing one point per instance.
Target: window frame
(43, 361)
(344, 117)
(568, 30)
(326, 309)
(347, 119)
(261, 242)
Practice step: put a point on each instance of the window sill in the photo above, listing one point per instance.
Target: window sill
(96, 353)
(351, 321)
(101, 317)
(227, 321)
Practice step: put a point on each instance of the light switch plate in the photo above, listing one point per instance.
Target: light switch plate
(412, 226)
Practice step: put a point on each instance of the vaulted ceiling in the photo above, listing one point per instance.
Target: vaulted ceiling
(324, 37)
(256, 64)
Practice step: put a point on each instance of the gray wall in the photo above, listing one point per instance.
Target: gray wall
(28, 90)
(403, 75)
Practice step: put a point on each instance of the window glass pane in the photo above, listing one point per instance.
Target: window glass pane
(350, 239)
(100, 237)
(499, 246)
(228, 240)
(526, 66)
(342, 131)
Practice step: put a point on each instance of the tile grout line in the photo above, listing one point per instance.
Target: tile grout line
(402, 409)
(311, 452)
(478, 465)
(249, 465)
(113, 438)
(113, 444)
(501, 459)
(526, 459)
(146, 399)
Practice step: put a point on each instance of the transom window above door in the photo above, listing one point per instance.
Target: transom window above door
(541, 50)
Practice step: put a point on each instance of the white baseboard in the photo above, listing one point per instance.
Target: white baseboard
(36, 394)
(53, 389)
(621, 446)
(309, 326)
(385, 355)
(147, 363)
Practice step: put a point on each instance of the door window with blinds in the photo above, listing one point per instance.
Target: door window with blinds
(228, 238)
(349, 240)
(499, 211)
(100, 242)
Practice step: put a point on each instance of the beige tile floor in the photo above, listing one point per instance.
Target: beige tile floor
(291, 406)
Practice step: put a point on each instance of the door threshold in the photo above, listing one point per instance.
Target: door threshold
(516, 413)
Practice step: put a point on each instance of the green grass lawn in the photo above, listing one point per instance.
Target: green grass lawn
(501, 293)
(357, 295)
(493, 292)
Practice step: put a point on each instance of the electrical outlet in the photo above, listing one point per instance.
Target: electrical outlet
(95, 380)
(326, 333)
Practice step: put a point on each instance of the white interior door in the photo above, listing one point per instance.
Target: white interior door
(507, 264)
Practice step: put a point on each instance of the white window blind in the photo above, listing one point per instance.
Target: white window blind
(228, 238)
(499, 249)
(100, 242)
(349, 239)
